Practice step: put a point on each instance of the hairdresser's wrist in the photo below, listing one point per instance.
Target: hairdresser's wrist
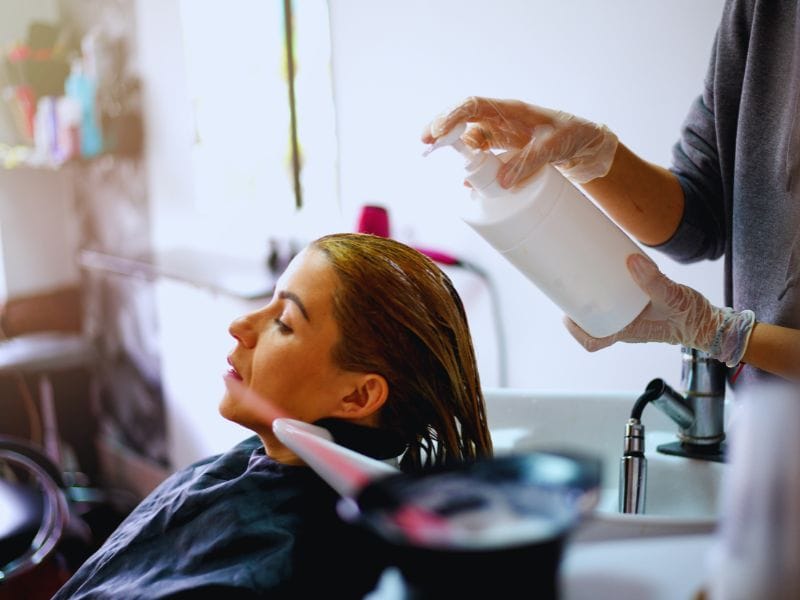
(732, 335)
(594, 160)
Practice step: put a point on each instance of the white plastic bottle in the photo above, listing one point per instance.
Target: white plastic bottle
(557, 238)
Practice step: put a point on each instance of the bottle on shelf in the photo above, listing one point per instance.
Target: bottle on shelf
(81, 88)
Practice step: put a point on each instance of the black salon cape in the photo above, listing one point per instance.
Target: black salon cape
(238, 524)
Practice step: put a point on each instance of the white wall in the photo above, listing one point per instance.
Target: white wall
(634, 65)
(168, 120)
(38, 232)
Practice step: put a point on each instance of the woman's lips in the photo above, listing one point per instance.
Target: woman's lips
(232, 372)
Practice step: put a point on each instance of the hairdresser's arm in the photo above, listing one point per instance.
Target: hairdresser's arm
(775, 349)
(644, 199)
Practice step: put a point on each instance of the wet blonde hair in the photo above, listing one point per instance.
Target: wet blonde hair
(400, 316)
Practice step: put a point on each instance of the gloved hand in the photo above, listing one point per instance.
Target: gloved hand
(582, 150)
(677, 314)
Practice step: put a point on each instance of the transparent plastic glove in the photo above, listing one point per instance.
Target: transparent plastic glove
(582, 150)
(677, 314)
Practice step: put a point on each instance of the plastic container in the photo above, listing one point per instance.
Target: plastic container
(557, 238)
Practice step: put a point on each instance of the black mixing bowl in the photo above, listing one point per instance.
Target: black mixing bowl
(492, 528)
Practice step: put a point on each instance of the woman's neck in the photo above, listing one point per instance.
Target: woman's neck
(278, 452)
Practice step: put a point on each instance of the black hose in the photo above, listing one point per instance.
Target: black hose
(653, 390)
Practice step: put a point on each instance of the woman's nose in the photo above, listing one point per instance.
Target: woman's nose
(244, 330)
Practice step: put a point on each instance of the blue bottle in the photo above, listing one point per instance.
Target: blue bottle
(84, 90)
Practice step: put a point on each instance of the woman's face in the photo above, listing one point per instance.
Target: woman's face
(283, 350)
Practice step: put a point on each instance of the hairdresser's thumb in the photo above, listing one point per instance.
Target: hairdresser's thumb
(646, 275)
(592, 344)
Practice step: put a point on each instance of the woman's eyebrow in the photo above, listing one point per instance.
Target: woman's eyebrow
(284, 295)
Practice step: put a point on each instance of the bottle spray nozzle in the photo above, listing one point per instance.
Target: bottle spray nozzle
(452, 138)
(481, 166)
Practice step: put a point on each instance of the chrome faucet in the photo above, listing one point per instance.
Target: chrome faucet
(700, 411)
(699, 414)
(633, 469)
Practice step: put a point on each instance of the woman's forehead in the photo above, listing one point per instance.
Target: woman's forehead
(308, 263)
(310, 277)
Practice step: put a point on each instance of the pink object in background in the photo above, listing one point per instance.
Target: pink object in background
(374, 220)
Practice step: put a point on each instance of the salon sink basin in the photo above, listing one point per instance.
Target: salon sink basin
(682, 494)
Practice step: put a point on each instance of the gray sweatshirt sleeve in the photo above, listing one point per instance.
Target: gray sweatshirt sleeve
(701, 233)
(707, 156)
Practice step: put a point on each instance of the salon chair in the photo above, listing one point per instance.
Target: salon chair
(41, 355)
(45, 499)
(34, 519)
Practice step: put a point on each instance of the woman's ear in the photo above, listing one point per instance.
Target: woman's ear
(365, 400)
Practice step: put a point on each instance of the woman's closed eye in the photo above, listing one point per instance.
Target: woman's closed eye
(283, 327)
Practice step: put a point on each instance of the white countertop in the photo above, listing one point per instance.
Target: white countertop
(656, 568)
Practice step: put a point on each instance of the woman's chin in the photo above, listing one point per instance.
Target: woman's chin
(226, 407)
(233, 411)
